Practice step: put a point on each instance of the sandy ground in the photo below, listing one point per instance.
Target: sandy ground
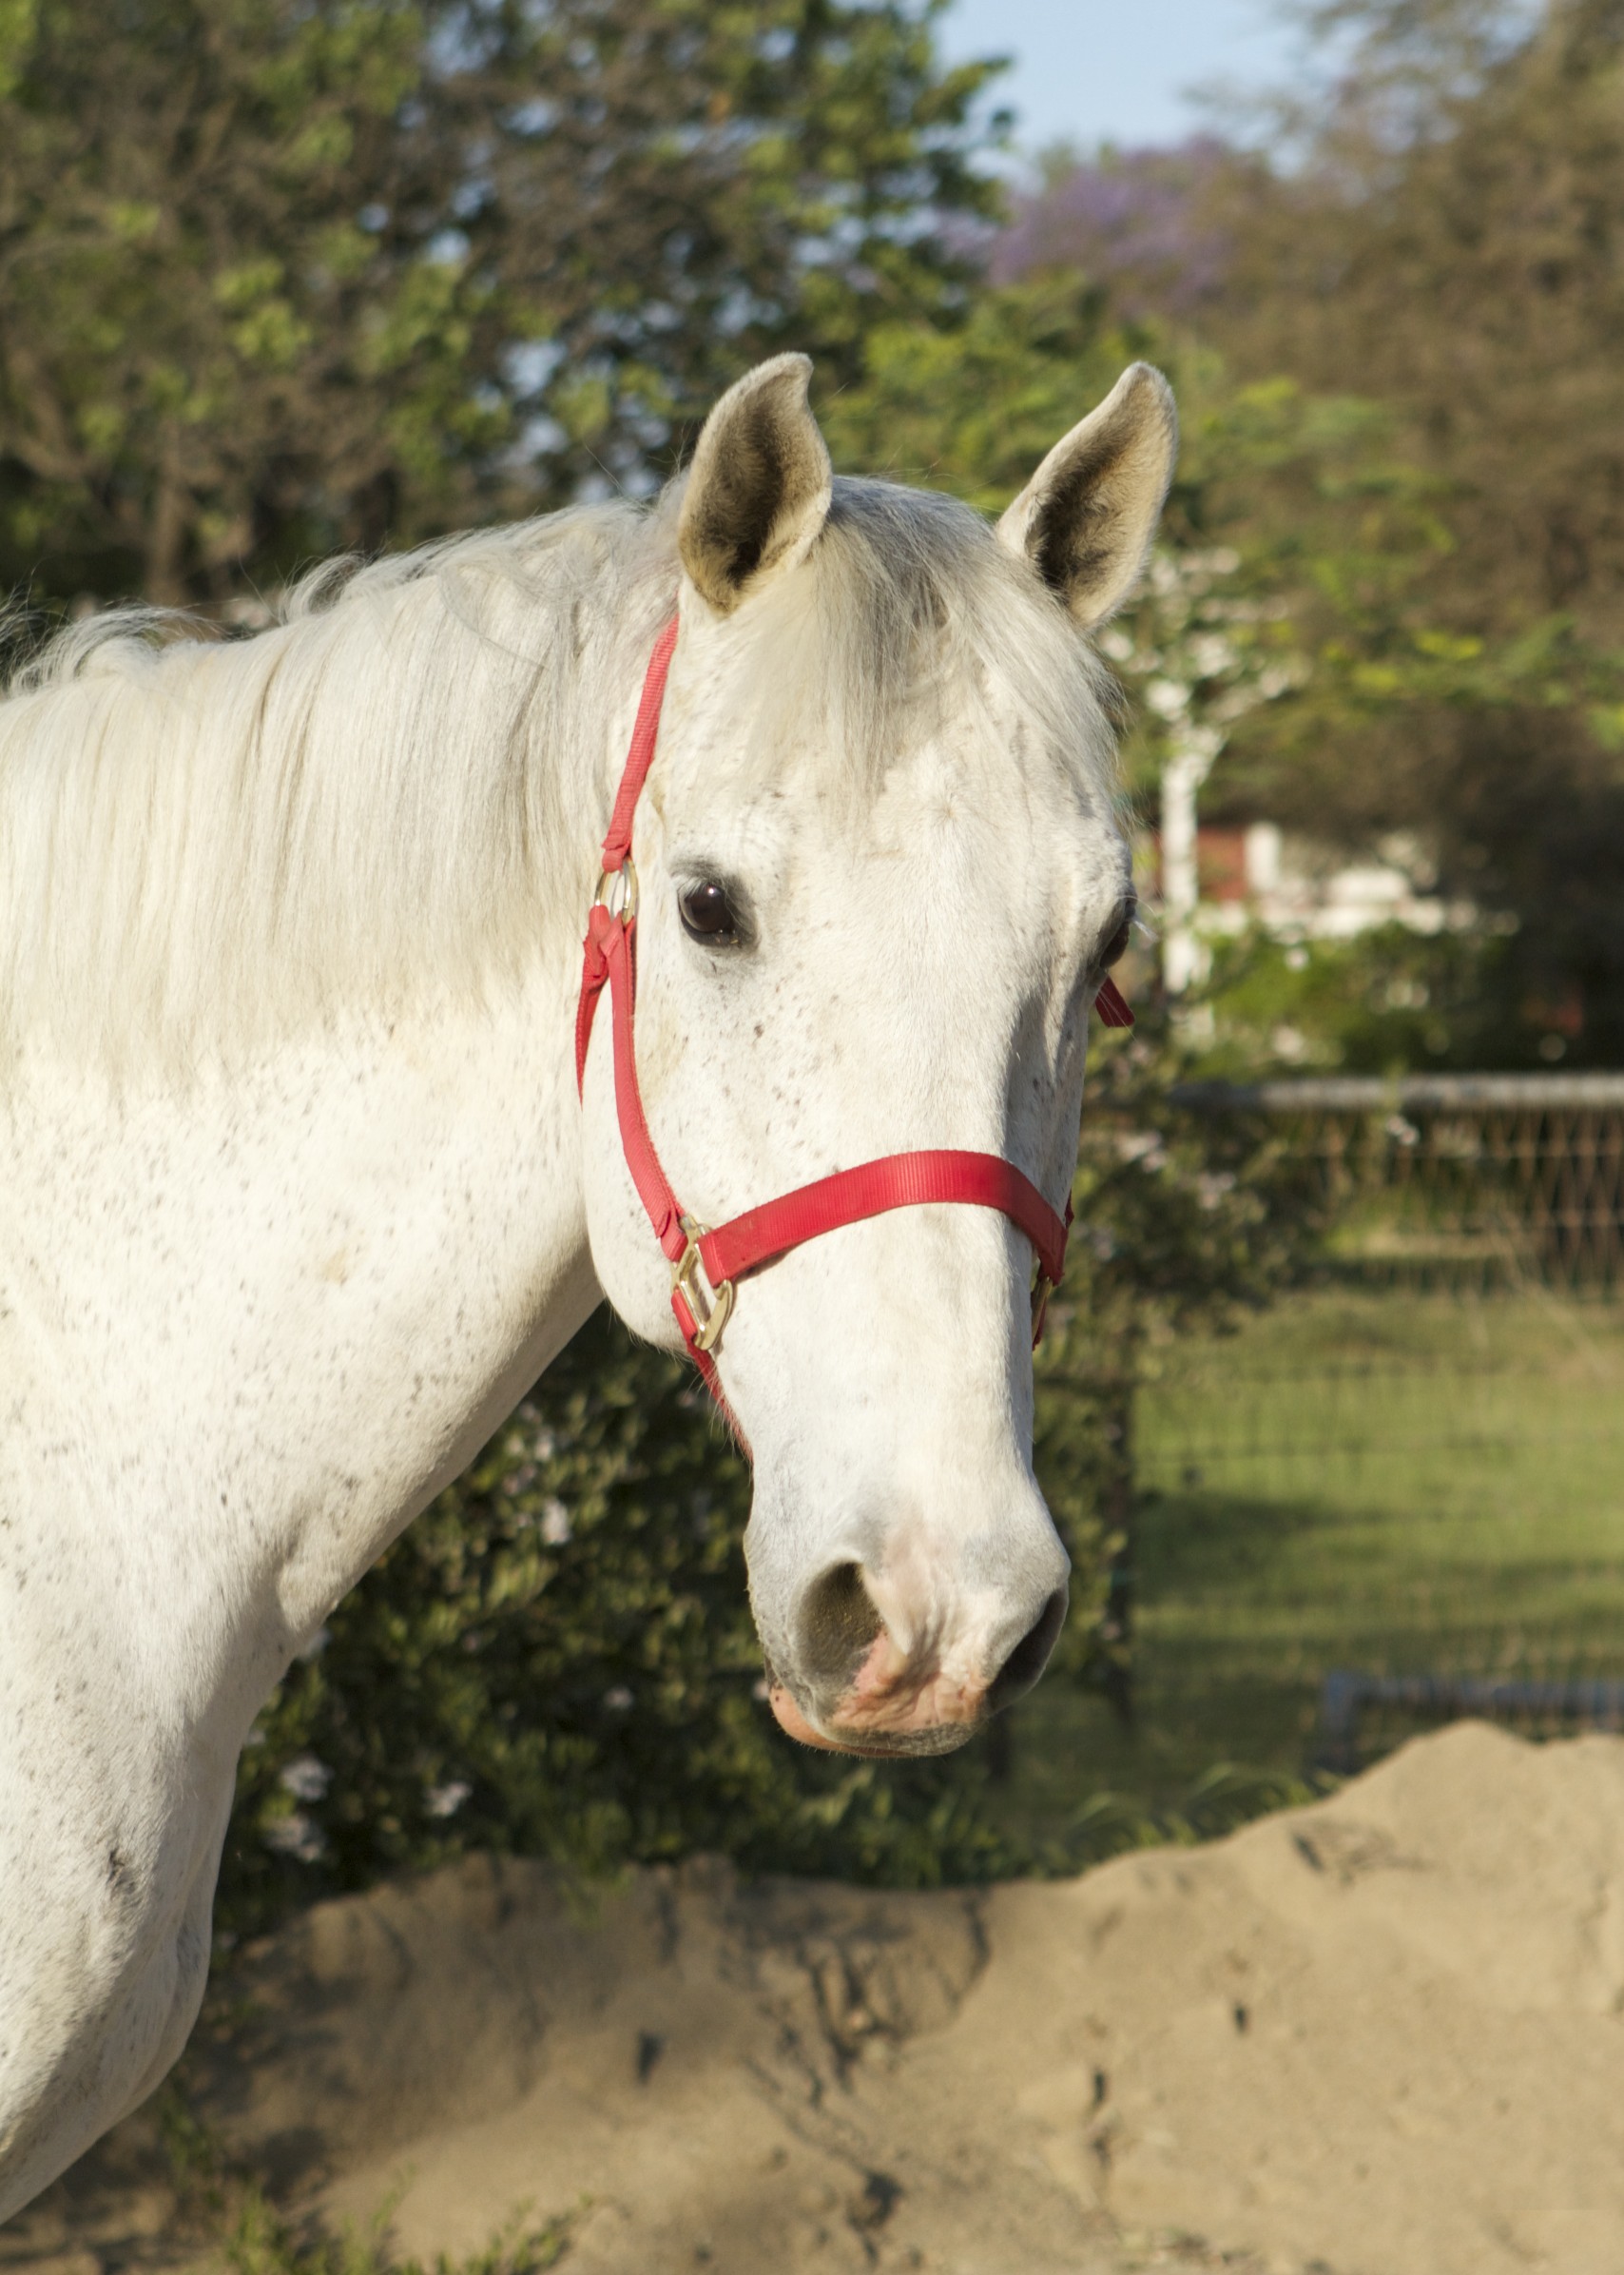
(1383, 2036)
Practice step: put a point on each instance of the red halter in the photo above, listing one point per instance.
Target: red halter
(707, 1265)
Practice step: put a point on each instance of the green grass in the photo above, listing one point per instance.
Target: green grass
(256, 2240)
(1395, 1483)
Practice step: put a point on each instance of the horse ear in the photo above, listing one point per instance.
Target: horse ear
(1086, 519)
(758, 490)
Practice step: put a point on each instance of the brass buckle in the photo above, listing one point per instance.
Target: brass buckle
(709, 1308)
(625, 876)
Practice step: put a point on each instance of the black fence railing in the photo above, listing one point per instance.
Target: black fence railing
(1496, 1179)
(1348, 1700)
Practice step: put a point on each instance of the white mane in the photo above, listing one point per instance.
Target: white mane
(206, 843)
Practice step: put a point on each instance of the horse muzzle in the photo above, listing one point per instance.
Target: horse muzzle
(890, 1685)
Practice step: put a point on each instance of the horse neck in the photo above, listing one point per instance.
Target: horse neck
(282, 1307)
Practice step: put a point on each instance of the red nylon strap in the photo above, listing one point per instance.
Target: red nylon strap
(594, 972)
(897, 1181)
(617, 845)
(746, 1243)
(611, 960)
(1112, 1005)
(644, 736)
(617, 947)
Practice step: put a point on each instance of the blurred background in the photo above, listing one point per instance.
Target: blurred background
(1330, 1407)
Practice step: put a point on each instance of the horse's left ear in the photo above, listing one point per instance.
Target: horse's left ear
(1086, 519)
(759, 491)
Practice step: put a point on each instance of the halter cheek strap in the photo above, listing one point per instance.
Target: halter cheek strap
(707, 1265)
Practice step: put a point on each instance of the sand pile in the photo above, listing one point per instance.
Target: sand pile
(1379, 2037)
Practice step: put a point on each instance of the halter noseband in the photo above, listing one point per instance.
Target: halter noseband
(707, 1265)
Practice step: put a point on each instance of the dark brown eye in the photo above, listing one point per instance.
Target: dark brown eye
(707, 915)
(1116, 947)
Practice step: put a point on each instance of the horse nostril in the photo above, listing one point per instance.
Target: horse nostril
(838, 1625)
(1030, 1657)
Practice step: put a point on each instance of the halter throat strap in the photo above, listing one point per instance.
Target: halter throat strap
(707, 1264)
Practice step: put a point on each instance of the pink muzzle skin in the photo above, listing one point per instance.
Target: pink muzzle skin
(886, 1702)
(707, 1265)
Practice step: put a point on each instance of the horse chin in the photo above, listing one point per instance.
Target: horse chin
(870, 1746)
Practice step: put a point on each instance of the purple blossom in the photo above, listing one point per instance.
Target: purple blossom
(1146, 223)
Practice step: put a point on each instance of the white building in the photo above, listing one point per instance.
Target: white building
(1295, 890)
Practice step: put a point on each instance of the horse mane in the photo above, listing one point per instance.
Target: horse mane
(208, 843)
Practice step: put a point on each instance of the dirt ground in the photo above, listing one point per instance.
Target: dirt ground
(1383, 2036)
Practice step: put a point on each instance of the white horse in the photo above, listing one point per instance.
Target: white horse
(297, 1195)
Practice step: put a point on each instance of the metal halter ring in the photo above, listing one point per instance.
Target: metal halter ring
(709, 1308)
(625, 876)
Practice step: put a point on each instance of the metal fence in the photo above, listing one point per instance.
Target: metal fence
(1397, 1494)
(1347, 1698)
(1484, 1179)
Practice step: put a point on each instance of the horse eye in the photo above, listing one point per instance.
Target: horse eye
(707, 915)
(1116, 947)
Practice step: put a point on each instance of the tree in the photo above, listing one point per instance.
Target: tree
(1455, 238)
(276, 278)
(1443, 546)
(1151, 226)
(1456, 241)
(1449, 246)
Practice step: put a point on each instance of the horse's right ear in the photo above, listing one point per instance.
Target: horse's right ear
(758, 490)
(1086, 519)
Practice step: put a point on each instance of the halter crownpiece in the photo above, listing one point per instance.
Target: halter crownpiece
(707, 1265)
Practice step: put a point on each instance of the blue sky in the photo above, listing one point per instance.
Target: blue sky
(1117, 71)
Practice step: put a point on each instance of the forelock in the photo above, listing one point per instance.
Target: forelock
(906, 611)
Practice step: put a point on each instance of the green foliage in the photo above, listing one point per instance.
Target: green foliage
(973, 406)
(1332, 527)
(1454, 235)
(1436, 560)
(1184, 1222)
(1341, 530)
(256, 2240)
(1387, 1003)
(1451, 234)
(260, 2242)
(1179, 1225)
(279, 279)
(1221, 1800)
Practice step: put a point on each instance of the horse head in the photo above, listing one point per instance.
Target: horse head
(880, 883)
